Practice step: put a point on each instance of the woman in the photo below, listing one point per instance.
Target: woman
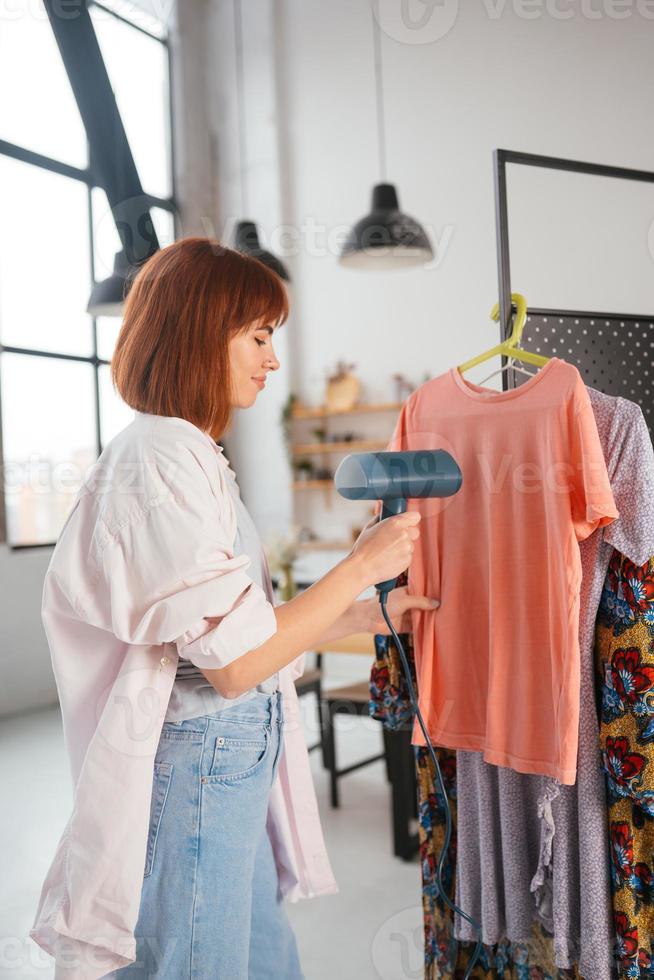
(152, 561)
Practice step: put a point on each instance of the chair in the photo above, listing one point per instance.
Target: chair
(311, 683)
(398, 751)
(311, 680)
(353, 700)
(398, 756)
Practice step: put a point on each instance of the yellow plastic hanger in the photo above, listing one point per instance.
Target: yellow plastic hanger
(509, 347)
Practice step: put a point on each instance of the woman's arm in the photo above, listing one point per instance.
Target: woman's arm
(365, 616)
(382, 551)
(301, 622)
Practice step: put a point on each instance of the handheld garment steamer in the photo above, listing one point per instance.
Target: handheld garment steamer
(393, 478)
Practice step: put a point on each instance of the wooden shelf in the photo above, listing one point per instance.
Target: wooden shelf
(355, 643)
(321, 413)
(324, 545)
(311, 484)
(355, 446)
(299, 449)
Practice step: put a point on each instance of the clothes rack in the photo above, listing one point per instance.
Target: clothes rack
(613, 351)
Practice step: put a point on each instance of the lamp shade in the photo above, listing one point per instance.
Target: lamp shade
(246, 240)
(386, 238)
(108, 296)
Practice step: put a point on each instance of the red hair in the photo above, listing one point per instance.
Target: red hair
(185, 304)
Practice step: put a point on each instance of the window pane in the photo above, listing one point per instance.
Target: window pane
(154, 20)
(108, 328)
(45, 267)
(164, 226)
(41, 114)
(138, 70)
(114, 413)
(49, 442)
(106, 241)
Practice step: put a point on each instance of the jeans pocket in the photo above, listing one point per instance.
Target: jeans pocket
(160, 786)
(239, 754)
(280, 746)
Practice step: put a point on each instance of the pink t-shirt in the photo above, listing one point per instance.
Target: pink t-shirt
(498, 662)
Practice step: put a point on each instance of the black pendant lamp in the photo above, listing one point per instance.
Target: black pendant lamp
(246, 236)
(108, 296)
(246, 240)
(385, 238)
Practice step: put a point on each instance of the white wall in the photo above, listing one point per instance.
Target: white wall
(27, 680)
(252, 184)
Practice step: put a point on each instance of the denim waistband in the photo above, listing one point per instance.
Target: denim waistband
(260, 707)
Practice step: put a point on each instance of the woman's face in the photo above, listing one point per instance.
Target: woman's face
(251, 357)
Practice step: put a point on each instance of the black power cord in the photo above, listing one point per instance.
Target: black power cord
(383, 596)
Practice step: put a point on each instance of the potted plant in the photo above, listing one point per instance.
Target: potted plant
(304, 469)
(343, 388)
(286, 417)
(281, 552)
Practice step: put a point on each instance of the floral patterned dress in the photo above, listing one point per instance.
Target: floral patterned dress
(624, 660)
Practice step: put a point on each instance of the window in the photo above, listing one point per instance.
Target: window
(57, 236)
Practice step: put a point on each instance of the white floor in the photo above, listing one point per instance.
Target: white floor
(371, 929)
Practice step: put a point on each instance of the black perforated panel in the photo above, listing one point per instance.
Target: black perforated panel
(614, 354)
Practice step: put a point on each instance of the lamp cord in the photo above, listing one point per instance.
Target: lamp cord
(240, 104)
(383, 596)
(379, 86)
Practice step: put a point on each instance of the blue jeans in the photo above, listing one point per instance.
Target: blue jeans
(210, 904)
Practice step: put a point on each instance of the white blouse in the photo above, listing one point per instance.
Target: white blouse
(192, 694)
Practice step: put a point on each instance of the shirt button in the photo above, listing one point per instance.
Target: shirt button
(165, 660)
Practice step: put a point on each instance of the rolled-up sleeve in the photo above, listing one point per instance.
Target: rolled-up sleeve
(172, 568)
(248, 623)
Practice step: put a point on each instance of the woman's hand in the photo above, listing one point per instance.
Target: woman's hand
(384, 549)
(398, 607)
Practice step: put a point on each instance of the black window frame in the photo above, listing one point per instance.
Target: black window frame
(85, 176)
